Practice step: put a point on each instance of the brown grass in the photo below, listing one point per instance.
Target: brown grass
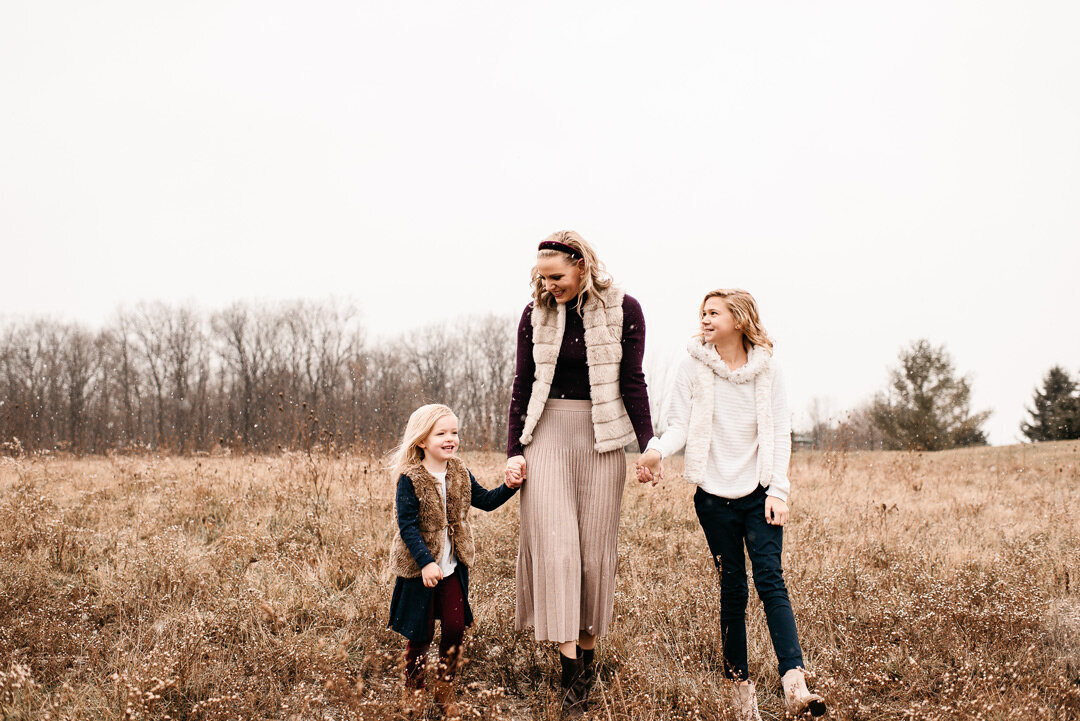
(933, 586)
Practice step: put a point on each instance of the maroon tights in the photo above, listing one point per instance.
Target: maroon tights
(447, 605)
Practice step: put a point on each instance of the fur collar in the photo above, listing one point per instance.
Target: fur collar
(757, 361)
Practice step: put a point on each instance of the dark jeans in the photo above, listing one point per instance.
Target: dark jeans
(729, 523)
(448, 605)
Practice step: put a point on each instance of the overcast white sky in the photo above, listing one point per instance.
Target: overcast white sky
(872, 172)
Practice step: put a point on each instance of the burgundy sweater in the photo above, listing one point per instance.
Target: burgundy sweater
(572, 371)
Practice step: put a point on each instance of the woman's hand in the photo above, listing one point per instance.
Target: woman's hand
(650, 467)
(515, 471)
(776, 511)
(431, 574)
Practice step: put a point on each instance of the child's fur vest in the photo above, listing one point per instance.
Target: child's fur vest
(602, 318)
(433, 519)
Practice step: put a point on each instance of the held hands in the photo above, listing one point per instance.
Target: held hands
(431, 574)
(515, 471)
(650, 467)
(776, 511)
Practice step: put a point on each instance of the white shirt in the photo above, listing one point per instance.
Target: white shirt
(446, 560)
(731, 469)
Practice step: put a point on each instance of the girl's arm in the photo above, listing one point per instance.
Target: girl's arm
(780, 486)
(487, 500)
(678, 413)
(524, 373)
(635, 392)
(408, 521)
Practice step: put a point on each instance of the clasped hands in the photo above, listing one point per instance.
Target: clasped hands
(515, 471)
(650, 467)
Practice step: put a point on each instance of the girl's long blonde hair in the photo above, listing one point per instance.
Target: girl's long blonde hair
(744, 308)
(594, 275)
(422, 420)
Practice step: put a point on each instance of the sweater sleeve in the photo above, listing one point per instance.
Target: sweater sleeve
(487, 500)
(678, 412)
(524, 373)
(408, 520)
(635, 393)
(780, 485)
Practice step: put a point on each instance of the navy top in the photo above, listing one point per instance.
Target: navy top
(410, 602)
(408, 513)
(571, 378)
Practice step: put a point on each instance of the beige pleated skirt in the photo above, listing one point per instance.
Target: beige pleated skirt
(569, 526)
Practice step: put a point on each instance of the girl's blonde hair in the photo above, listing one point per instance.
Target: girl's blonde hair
(422, 420)
(744, 308)
(594, 275)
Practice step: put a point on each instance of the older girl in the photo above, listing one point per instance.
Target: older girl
(579, 398)
(433, 550)
(729, 408)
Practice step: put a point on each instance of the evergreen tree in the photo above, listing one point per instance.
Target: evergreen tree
(926, 406)
(1056, 412)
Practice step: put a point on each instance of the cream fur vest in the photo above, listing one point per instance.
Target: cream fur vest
(710, 370)
(603, 322)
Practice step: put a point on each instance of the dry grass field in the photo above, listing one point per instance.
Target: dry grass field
(926, 586)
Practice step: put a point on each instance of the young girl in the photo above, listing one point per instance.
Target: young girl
(434, 548)
(729, 408)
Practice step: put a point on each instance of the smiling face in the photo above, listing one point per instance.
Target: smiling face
(441, 442)
(717, 323)
(561, 277)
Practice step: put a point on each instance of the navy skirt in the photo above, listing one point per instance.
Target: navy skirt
(410, 606)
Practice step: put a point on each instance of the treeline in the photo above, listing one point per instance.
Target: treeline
(249, 377)
(926, 406)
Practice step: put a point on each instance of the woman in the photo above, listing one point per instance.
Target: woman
(579, 398)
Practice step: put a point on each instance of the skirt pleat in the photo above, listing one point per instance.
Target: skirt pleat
(570, 503)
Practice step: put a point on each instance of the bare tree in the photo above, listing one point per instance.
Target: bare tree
(255, 377)
(80, 363)
(250, 338)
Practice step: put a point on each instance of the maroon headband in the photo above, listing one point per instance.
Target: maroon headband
(556, 245)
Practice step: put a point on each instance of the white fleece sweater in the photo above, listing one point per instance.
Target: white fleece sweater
(731, 470)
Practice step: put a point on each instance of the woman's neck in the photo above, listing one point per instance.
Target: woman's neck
(433, 466)
(732, 352)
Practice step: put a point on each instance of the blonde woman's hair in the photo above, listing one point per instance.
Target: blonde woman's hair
(594, 275)
(408, 453)
(744, 308)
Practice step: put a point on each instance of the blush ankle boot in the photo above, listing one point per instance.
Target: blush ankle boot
(797, 698)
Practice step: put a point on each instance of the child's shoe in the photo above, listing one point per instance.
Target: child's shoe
(445, 689)
(746, 701)
(797, 698)
(412, 693)
(445, 693)
(412, 702)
